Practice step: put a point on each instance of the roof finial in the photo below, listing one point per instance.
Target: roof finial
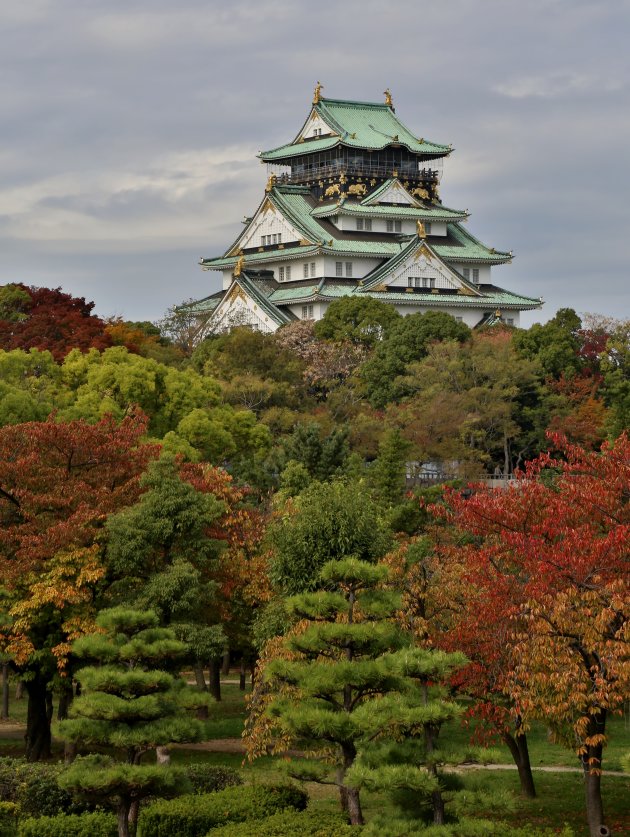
(388, 98)
(422, 233)
(238, 268)
(271, 182)
(317, 95)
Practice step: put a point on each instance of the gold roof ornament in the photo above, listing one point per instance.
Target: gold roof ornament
(422, 233)
(271, 182)
(317, 94)
(497, 314)
(388, 98)
(238, 267)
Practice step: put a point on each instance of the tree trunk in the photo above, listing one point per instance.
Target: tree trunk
(214, 676)
(242, 676)
(355, 813)
(37, 720)
(520, 753)
(202, 711)
(592, 764)
(350, 800)
(19, 690)
(437, 801)
(5, 692)
(66, 695)
(225, 663)
(123, 819)
(252, 673)
(163, 756)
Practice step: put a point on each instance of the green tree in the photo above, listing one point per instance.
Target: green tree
(323, 455)
(407, 341)
(161, 556)
(361, 320)
(388, 471)
(130, 703)
(324, 523)
(555, 345)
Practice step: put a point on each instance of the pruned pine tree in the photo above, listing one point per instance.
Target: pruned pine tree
(132, 703)
(407, 760)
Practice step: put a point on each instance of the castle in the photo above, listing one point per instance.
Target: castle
(352, 207)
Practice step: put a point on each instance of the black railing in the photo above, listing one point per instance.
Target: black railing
(364, 170)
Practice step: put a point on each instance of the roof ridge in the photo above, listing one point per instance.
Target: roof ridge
(357, 102)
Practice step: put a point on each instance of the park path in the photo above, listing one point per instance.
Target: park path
(235, 746)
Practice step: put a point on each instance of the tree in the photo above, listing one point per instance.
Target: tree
(129, 702)
(560, 537)
(323, 456)
(340, 667)
(50, 320)
(58, 482)
(406, 341)
(324, 523)
(555, 345)
(364, 321)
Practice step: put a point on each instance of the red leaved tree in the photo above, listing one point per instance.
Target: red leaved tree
(50, 319)
(554, 549)
(58, 482)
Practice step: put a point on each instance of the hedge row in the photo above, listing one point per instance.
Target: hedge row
(206, 778)
(194, 816)
(291, 824)
(34, 788)
(70, 825)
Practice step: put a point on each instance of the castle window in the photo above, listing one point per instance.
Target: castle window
(510, 321)
(394, 226)
(279, 238)
(288, 273)
(348, 268)
(307, 312)
(338, 268)
(466, 273)
(368, 224)
(359, 223)
(427, 228)
(281, 274)
(459, 319)
(432, 283)
(306, 270)
(410, 282)
(312, 269)
(476, 275)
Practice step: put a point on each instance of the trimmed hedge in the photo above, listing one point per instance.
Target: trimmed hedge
(194, 816)
(70, 825)
(207, 778)
(33, 786)
(291, 824)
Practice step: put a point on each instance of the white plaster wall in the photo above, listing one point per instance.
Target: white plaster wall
(348, 223)
(484, 272)
(360, 267)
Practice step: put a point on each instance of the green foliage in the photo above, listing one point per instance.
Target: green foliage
(15, 302)
(407, 341)
(128, 704)
(291, 824)
(330, 521)
(555, 345)
(194, 816)
(35, 789)
(69, 825)
(388, 471)
(322, 455)
(365, 321)
(207, 778)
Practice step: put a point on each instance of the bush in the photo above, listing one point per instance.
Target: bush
(35, 789)
(70, 825)
(194, 816)
(8, 818)
(291, 824)
(207, 778)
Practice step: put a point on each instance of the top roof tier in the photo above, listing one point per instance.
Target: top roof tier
(367, 125)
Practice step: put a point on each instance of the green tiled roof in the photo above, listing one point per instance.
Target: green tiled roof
(460, 245)
(258, 258)
(261, 295)
(370, 125)
(431, 213)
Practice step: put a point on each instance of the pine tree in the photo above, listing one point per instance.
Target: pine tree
(130, 703)
(350, 679)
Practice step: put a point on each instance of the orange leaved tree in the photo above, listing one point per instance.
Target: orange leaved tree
(560, 538)
(58, 482)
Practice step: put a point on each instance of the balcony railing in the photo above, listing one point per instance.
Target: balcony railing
(365, 170)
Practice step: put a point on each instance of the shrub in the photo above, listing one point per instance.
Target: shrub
(291, 824)
(8, 818)
(206, 778)
(194, 816)
(35, 789)
(70, 825)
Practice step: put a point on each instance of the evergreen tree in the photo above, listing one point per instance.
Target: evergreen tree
(130, 703)
(351, 681)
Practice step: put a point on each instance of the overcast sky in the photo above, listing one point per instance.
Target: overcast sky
(130, 128)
